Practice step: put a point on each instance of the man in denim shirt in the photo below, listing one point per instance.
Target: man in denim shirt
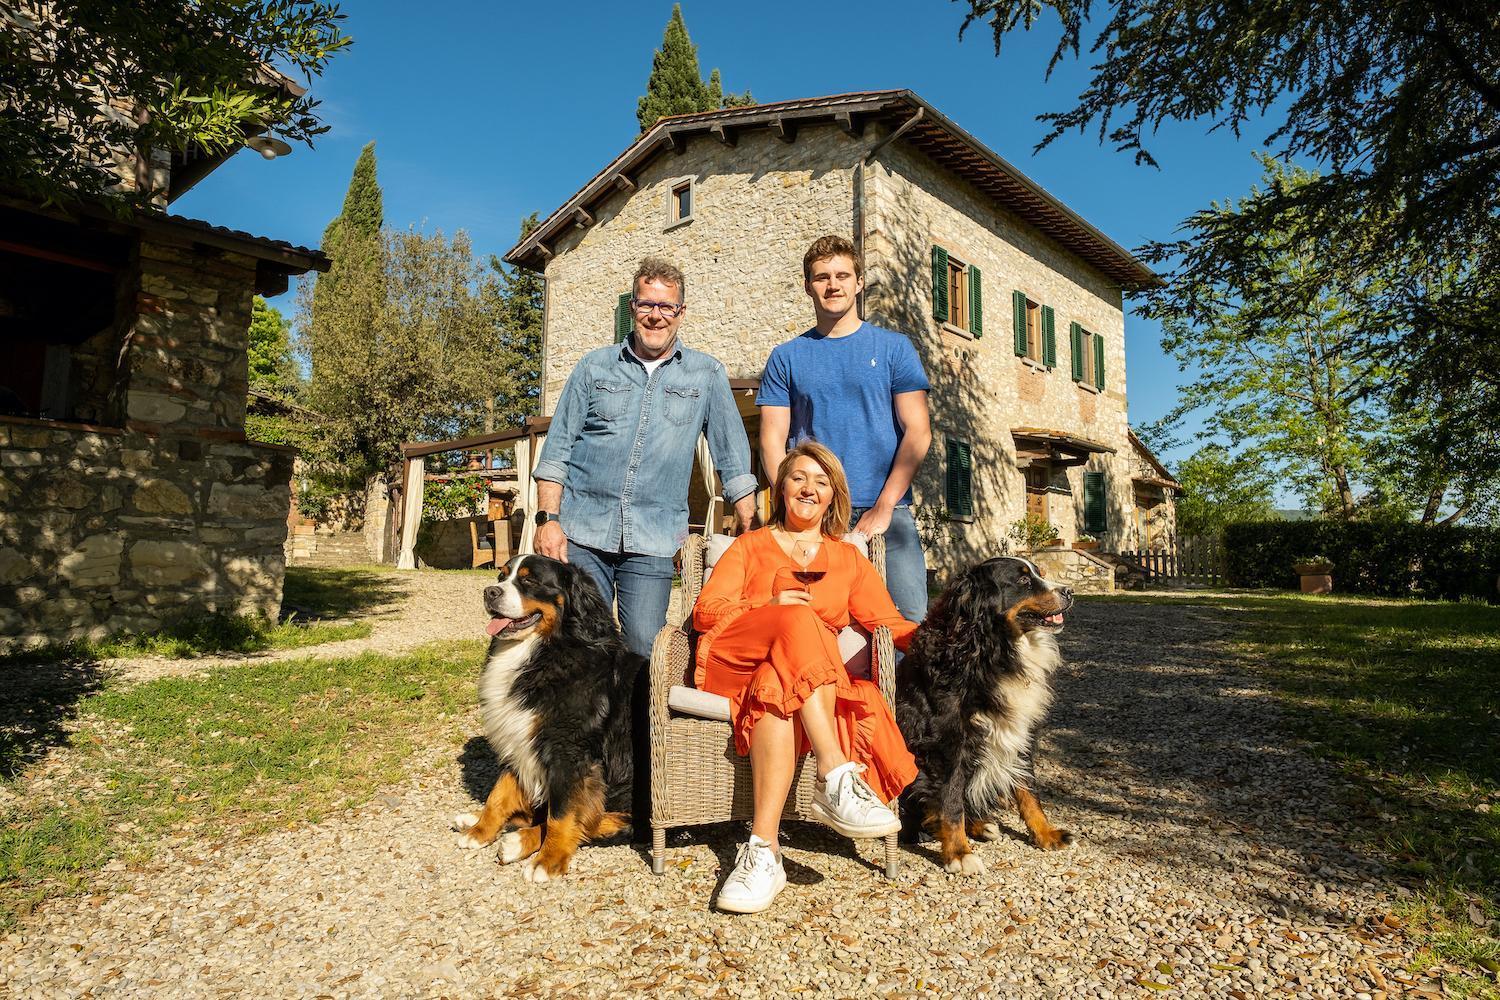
(612, 479)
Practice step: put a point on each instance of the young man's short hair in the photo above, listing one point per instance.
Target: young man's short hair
(825, 247)
(657, 269)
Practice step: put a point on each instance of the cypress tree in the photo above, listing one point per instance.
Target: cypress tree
(675, 86)
(347, 300)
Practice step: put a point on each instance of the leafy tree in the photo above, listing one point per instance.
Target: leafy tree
(1398, 102)
(1294, 384)
(187, 74)
(431, 364)
(1220, 489)
(675, 86)
(271, 366)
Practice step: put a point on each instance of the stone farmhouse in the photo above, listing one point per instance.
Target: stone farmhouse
(1014, 302)
(129, 495)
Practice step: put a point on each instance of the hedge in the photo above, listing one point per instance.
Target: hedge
(1389, 560)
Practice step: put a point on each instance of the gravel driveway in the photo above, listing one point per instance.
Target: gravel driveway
(1207, 865)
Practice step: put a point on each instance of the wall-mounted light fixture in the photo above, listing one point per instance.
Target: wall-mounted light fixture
(268, 146)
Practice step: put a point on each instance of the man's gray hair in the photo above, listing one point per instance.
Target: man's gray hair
(658, 269)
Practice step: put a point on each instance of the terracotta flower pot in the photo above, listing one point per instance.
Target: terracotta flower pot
(1086, 546)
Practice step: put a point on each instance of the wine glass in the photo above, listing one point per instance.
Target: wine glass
(803, 553)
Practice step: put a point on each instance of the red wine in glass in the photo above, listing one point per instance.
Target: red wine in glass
(807, 577)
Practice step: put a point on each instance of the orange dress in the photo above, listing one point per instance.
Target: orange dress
(769, 658)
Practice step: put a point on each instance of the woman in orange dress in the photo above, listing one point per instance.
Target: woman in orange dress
(769, 644)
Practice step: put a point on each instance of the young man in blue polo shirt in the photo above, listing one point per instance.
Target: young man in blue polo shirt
(861, 391)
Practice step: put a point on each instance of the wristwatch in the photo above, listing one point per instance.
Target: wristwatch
(543, 516)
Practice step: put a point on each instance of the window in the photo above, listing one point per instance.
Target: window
(1095, 521)
(1035, 330)
(958, 488)
(680, 202)
(1088, 357)
(957, 293)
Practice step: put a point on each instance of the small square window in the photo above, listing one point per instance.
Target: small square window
(680, 203)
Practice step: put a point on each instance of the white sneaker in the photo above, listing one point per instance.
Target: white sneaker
(846, 803)
(757, 877)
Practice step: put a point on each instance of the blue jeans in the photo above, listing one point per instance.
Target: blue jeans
(905, 564)
(641, 586)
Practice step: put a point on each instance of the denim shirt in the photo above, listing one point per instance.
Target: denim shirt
(622, 446)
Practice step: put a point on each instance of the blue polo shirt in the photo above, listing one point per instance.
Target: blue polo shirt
(840, 391)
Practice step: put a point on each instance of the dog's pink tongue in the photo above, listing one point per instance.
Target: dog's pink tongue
(496, 625)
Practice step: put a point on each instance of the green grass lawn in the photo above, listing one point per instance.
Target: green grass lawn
(1405, 697)
(229, 753)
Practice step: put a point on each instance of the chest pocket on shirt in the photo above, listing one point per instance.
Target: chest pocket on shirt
(607, 400)
(680, 402)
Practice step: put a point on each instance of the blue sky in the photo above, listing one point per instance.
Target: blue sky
(484, 112)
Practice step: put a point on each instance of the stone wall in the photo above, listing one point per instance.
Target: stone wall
(757, 207)
(169, 514)
(1085, 572)
(980, 388)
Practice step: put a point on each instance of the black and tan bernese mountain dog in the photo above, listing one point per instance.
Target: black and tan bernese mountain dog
(969, 694)
(555, 698)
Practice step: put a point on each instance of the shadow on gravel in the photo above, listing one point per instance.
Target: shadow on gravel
(36, 701)
(333, 592)
(479, 767)
(1174, 734)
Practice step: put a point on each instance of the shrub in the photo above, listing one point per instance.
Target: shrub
(1384, 559)
(455, 498)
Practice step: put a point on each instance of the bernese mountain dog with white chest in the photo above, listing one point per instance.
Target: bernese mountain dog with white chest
(971, 690)
(555, 698)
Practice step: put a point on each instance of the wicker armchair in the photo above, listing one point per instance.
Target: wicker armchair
(696, 774)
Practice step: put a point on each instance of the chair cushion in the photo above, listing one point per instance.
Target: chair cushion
(691, 701)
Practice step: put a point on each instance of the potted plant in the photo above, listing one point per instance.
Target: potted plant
(1315, 573)
(1032, 533)
(1086, 542)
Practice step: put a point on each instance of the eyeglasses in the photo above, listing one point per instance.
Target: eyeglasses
(669, 310)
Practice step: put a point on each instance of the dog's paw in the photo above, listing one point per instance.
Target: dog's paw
(968, 864)
(510, 847)
(463, 823)
(986, 832)
(1055, 840)
(535, 873)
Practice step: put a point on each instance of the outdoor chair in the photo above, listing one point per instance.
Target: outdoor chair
(484, 548)
(696, 774)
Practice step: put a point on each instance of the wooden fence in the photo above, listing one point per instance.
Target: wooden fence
(1197, 559)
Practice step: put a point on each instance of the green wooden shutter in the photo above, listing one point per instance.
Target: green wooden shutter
(939, 284)
(1075, 346)
(959, 480)
(624, 322)
(1094, 521)
(1098, 362)
(1018, 307)
(1049, 337)
(976, 303)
